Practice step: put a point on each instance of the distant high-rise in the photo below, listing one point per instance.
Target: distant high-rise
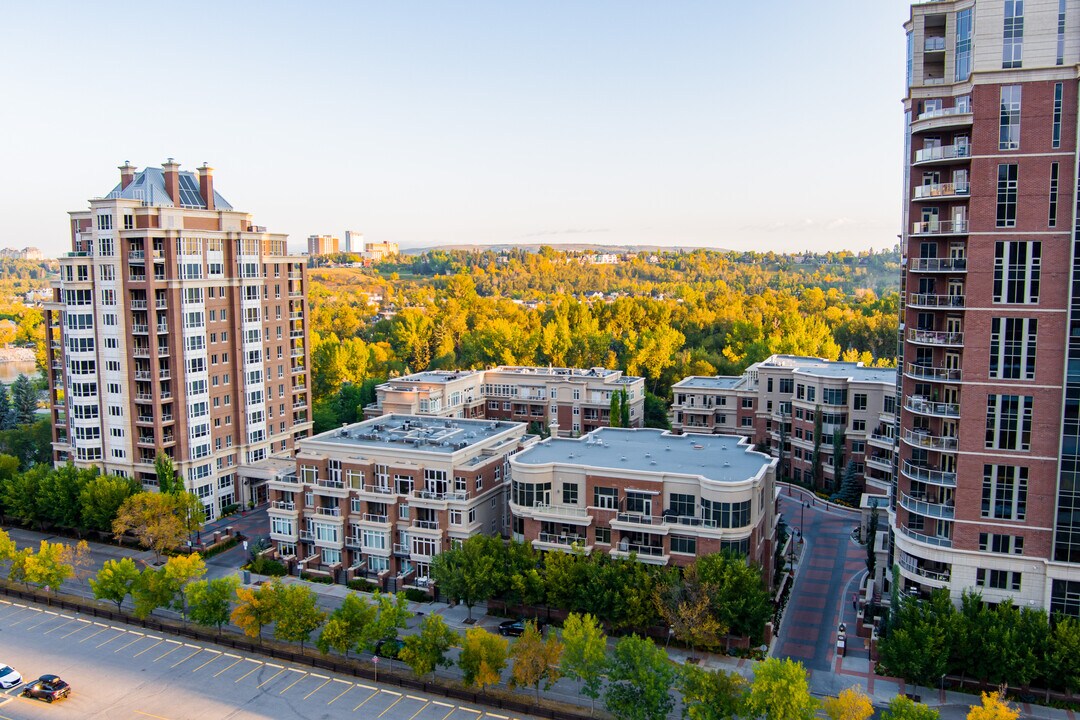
(354, 241)
(177, 325)
(988, 484)
(322, 245)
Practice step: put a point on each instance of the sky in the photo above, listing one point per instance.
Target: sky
(767, 125)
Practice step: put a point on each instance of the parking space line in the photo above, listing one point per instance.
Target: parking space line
(91, 637)
(177, 647)
(121, 633)
(400, 698)
(325, 683)
(500, 717)
(449, 712)
(197, 651)
(258, 664)
(217, 654)
(422, 709)
(365, 700)
(31, 613)
(238, 660)
(85, 624)
(472, 710)
(302, 676)
(149, 648)
(127, 645)
(351, 686)
(58, 626)
(266, 681)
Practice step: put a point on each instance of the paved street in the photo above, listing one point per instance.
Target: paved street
(120, 672)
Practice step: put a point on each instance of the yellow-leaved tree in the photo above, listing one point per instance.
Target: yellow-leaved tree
(994, 707)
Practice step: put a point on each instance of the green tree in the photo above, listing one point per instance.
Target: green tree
(656, 415)
(1063, 658)
(101, 498)
(7, 415)
(737, 588)
(686, 605)
(180, 571)
(902, 707)
(584, 656)
(615, 410)
(152, 518)
(470, 573)
(191, 511)
(920, 637)
(351, 625)
(392, 615)
(780, 690)
(21, 493)
(255, 608)
(24, 400)
(536, 660)
(426, 650)
(624, 409)
(296, 615)
(151, 591)
(711, 695)
(483, 658)
(640, 677)
(166, 474)
(46, 568)
(58, 495)
(210, 601)
(115, 581)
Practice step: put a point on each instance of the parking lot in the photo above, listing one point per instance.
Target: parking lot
(120, 672)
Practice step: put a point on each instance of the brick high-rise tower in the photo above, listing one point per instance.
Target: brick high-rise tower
(988, 488)
(177, 325)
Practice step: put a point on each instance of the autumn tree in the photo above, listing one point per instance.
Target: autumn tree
(536, 660)
(351, 625)
(640, 677)
(780, 690)
(46, 568)
(296, 614)
(584, 656)
(902, 707)
(179, 572)
(994, 707)
(255, 608)
(851, 704)
(685, 604)
(77, 555)
(115, 581)
(152, 518)
(483, 658)
(711, 694)
(426, 650)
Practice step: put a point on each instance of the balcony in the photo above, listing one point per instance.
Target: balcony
(928, 475)
(941, 191)
(140, 351)
(328, 511)
(935, 265)
(402, 549)
(689, 521)
(138, 304)
(921, 300)
(913, 503)
(911, 565)
(377, 519)
(879, 463)
(925, 539)
(144, 375)
(161, 304)
(939, 338)
(298, 353)
(307, 535)
(917, 438)
(353, 543)
(920, 405)
(940, 227)
(881, 440)
(163, 328)
(296, 334)
(934, 44)
(425, 524)
(162, 350)
(939, 374)
(652, 554)
(431, 495)
(139, 329)
(382, 490)
(552, 510)
(164, 374)
(942, 153)
(562, 540)
(283, 505)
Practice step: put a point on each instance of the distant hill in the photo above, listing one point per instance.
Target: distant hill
(563, 247)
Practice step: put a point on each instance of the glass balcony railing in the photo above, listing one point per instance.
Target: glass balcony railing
(919, 506)
(942, 152)
(923, 406)
(938, 264)
(941, 190)
(933, 301)
(918, 438)
(934, 373)
(939, 227)
(928, 475)
(927, 539)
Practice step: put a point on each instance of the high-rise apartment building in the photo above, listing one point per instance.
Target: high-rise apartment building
(322, 245)
(988, 484)
(177, 325)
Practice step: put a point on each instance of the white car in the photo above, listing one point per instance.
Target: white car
(9, 677)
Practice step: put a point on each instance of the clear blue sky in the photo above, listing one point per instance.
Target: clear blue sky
(756, 125)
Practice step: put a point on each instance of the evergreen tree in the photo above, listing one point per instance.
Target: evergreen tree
(850, 487)
(23, 400)
(624, 409)
(7, 417)
(615, 412)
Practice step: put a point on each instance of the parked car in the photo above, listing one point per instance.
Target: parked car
(515, 628)
(47, 688)
(389, 648)
(9, 677)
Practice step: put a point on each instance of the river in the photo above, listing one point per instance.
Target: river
(13, 369)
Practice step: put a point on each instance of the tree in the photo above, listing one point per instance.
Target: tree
(151, 517)
(209, 601)
(850, 704)
(392, 614)
(255, 608)
(296, 615)
(470, 573)
(7, 416)
(536, 660)
(21, 493)
(584, 653)
(710, 695)
(58, 495)
(101, 498)
(902, 707)
(351, 625)
(685, 604)
(483, 658)
(780, 691)
(46, 568)
(624, 409)
(739, 597)
(151, 591)
(615, 410)
(115, 581)
(191, 511)
(426, 650)
(17, 568)
(7, 546)
(166, 474)
(1063, 661)
(871, 539)
(24, 400)
(78, 557)
(994, 707)
(181, 570)
(850, 487)
(639, 680)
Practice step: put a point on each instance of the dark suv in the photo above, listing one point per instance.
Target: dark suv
(47, 688)
(516, 628)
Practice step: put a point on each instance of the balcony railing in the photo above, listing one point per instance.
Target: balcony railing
(689, 521)
(553, 539)
(555, 510)
(651, 550)
(138, 304)
(928, 475)
(290, 478)
(636, 518)
(936, 337)
(944, 112)
(911, 565)
(431, 495)
(426, 524)
(928, 539)
(307, 535)
(938, 264)
(939, 227)
(942, 152)
(328, 483)
(941, 190)
(934, 44)
(139, 329)
(351, 541)
(941, 374)
(932, 301)
(368, 517)
(144, 375)
(328, 511)
(932, 442)
(282, 505)
(925, 507)
(401, 549)
(919, 404)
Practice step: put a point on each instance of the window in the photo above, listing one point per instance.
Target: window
(748, 403)
(1055, 140)
(1012, 348)
(1004, 492)
(963, 44)
(1052, 216)
(786, 385)
(1017, 271)
(682, 505)
(1012, 47)
(1004, 544)
(726, 515)
(1008, 422)
(833, 396)
(858, 426)
(606, 498)
(997, 579)
(1009, 125)
(104, 222)
(683, 545)
(603, 536)
(530, 494)
(1006, 195)
(570, 493)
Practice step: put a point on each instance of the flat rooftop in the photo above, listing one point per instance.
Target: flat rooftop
(717, 382)
(720, 458)
(433, 376)
(415, 432)
(556, 372)
(851, 370)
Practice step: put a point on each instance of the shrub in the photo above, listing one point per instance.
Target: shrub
(221, 547)
(263, 565)
(230, 509)
(416, 595)
(317, 578)
(361, 585)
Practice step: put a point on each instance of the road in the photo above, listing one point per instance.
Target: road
(119, 672)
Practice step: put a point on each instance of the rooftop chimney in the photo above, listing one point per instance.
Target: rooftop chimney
(127, 174)
(206, 185)
(172, 180)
